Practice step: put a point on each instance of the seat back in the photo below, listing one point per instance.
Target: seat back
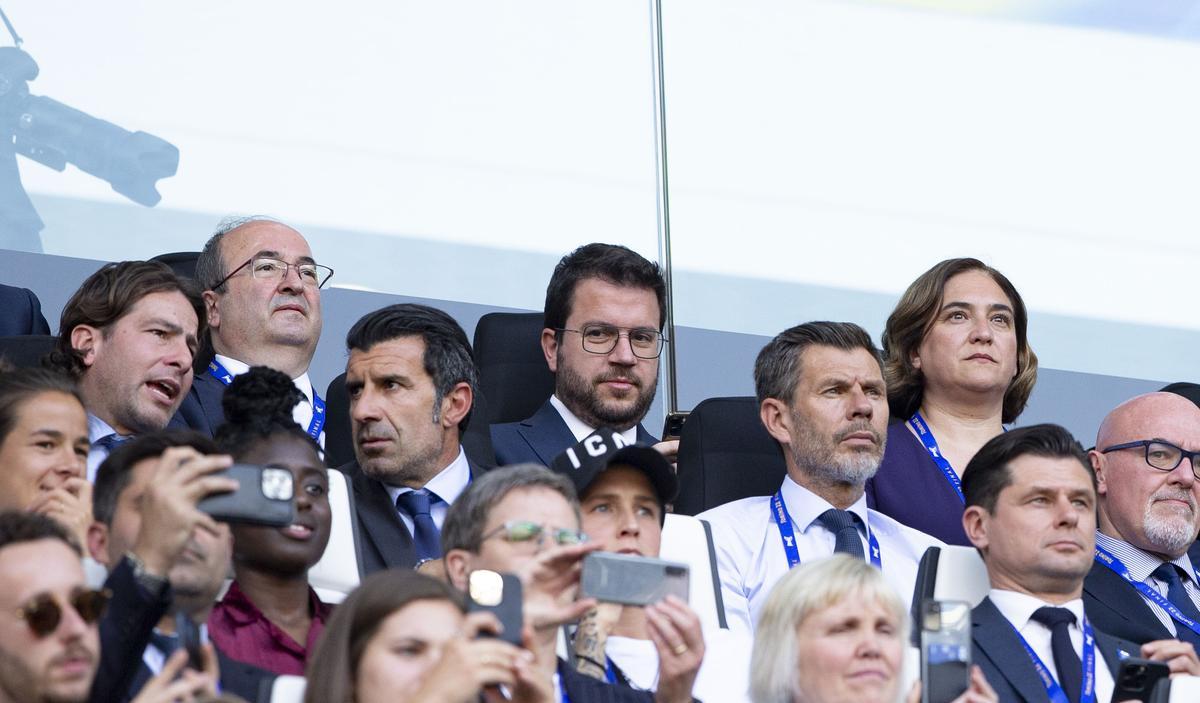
(183, 263)
(338, 572)
(949, 573)
(1179, 689)
(26, 350)
(339, 437)
(725, 454)
(513, 375)
(689, 540)
(288, 689)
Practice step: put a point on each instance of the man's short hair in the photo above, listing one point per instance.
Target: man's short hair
(17, 526)
(210, 268)
(448, 358)
(465, 520)
(116, 471)
(109, 294)
(611, 263)
(988, 472)
(777, 369)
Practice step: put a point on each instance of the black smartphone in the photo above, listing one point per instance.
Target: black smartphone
(189, 639)
(263, 497)
(632, 580)
(945, 650)
(673, 425)
(501, 595)
(1136, 679)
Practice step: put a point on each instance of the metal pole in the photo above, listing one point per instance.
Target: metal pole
(667, 369)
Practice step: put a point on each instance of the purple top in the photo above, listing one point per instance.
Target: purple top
(911, 489)
(240, 630)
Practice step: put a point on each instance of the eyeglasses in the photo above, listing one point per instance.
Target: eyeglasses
(43, 613)
(527, 531)
(268, 269)
(646, 343)
(1161, 455)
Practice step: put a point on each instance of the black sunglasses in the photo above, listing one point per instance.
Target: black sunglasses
(43, 613)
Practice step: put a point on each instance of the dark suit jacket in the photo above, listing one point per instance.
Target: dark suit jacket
(384, 540)
(20, 312)
(912, 489)
(540, 438)
(582, 688)
(201, 407)
(998, 651)
(124, 632)
(245, 680)
(1117, 608)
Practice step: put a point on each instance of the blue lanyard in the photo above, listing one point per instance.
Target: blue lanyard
(562, 686)
(783, 521)
(219, 372)
(1106, 558)
(921, 429)
(609, 673)
(1053, 691)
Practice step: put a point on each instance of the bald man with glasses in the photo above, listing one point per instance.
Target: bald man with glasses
(1142, 586)
(263, 302)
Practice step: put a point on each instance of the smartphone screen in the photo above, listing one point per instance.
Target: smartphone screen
(945, 650)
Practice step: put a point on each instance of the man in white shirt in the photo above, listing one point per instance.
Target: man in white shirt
(263, 303)
(128, 335)
(1149, 499)
(822, 397)
(604, 314)
(1031, 512)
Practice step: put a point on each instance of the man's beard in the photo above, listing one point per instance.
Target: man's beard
(1170, 534)
(817, 455)
(580, 396)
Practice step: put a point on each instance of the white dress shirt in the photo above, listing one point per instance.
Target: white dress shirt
(751, 557)
(1018, 609)
(447, 485)
(302, 413)
(724, 674)
(1141, 564)
(97, 428)
(580, 429)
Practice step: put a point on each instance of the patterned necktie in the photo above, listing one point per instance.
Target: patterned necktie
(1070, 669)
(110, 441)
(844, 526)
(1178, 595)
(426, 537)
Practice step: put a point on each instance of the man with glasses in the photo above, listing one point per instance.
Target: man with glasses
(49, 641)
(1143, 587)
(263, 301)
(604, 315)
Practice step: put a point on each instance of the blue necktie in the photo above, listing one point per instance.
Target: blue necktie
(110, 441)
(844, 526)
(426, 538)
(167, 644)
(1070, 669)
(1178, 595)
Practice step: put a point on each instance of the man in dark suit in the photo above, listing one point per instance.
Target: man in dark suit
(605, 310)
(20, 312)
(1149, 502)
(1031, 496)
(411, 381)
(166, 559)
(263, 302)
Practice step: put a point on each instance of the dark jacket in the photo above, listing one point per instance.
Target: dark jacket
(540, 438)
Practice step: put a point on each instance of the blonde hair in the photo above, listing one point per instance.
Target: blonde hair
(803, 591)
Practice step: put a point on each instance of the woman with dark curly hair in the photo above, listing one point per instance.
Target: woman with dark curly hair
(270, 617)
(958, 367)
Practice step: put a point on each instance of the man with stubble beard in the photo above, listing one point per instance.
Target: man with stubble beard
(411, 380)
(821, 395)
(1142, 586)
(604, 314)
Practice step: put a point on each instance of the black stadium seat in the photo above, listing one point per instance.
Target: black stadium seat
(183, 263)
(339, 439)
(512, 370)
(725, 454)
(27, 349)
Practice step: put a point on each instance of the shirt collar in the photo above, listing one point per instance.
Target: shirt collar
(805, 506)
(1018, 608)
(237, 368)
(242, 611)
(1140, 563)
(98, 428)
(447, 484)
(580, 429)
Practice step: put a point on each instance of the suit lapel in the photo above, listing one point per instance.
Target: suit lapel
(644, 437)
(1105, 590)
(1114, 650)
(546, 433)
(995, 635)
(209, 392)
(383, 527)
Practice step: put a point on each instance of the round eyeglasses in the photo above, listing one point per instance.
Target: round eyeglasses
(645, 342)
(1161, 455)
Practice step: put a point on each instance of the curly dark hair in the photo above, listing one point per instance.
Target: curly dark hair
(258, 404)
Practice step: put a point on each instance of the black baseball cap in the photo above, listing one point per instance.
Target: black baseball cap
(585, 461)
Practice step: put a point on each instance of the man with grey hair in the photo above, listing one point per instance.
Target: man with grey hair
(262, 298)
(821, 395)
(1142, 586)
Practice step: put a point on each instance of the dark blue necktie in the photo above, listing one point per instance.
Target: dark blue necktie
(167, 644)
(844, 526)
(1070, 669)
(110, 441)
(1178, 595)
(426, 538)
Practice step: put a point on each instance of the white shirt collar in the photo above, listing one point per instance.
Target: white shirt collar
(580, 429)
(805, 507)
(237, 368)
(447, 484)
(98, 428)
(1141, 564)
(1018, 608)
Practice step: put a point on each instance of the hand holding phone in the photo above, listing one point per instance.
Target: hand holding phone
(501, 595)
(1136, 679)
